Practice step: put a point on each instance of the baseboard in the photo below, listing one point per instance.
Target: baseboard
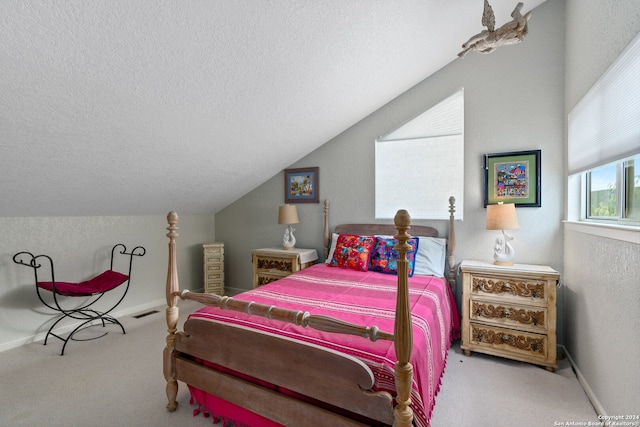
(117, 314)
(233, 291)
(585, 385)
(68, 328)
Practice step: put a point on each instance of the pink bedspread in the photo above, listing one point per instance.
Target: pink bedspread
(363, 298)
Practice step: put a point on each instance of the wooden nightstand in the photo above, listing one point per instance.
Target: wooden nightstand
(213, 268)
(510, 311)
(270, 264)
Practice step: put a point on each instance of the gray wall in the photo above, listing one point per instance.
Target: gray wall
(602, 319)
(513, 102)
(80, 248)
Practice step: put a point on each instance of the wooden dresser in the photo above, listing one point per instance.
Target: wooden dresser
(510, 311)
(270, 264)
(214, 268)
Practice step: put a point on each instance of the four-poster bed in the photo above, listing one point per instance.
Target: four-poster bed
(247, 358)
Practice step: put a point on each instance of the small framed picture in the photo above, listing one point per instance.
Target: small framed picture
(513, 178)
(302, 185)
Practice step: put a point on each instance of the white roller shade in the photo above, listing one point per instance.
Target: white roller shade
(604, 126)
(421, 164)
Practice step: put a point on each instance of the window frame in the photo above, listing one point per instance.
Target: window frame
(621, 192)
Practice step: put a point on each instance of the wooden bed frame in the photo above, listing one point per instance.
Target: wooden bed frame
(337, 379)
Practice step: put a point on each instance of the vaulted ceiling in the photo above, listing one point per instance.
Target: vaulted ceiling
(120, 107)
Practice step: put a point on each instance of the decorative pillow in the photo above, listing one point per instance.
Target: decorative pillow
(385, 258)
(353, 251)
(431, 256)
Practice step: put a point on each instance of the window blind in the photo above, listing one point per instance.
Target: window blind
(420, 165)
(604, 126)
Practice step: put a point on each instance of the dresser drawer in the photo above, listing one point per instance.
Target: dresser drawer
(214, 287)
(503, 313)
(508, 342)
(214, 276)
(213, 262)
(527, 291)
(263, 279)
(212, 267)
(213, 251)
(274, 265)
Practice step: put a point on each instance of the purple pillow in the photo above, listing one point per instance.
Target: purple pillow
(385, 258)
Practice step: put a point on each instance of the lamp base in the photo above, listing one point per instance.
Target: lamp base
(289, 241)
(503, 252)
(288, 249)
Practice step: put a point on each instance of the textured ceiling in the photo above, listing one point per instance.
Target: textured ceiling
(120, 107)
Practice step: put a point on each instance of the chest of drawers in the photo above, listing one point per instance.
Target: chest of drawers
(214, 268)
(270, 264)
(510, 311)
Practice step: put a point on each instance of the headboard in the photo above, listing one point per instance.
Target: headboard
(390, 229)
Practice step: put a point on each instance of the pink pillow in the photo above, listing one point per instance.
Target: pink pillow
(353, 251)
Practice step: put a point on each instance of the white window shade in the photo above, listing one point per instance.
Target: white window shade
(421, 164)
(444, 118)
(604, 126)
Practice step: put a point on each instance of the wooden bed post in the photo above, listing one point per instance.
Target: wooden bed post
(325, 236)
(451, 247)
(403, 330)
(172, 290)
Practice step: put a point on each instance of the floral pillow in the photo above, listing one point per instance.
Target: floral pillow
(353, 251)
(385, 258)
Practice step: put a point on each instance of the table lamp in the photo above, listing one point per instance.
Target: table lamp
(288, 214)
(502, 217)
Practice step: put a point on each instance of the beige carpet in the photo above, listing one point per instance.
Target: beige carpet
(117, 381)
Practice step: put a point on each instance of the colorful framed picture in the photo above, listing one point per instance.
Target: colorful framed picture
(513, 178)
(302, 185)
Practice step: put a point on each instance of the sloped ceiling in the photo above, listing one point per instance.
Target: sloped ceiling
(120, 107)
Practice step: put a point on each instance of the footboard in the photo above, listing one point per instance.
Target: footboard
(292, 368)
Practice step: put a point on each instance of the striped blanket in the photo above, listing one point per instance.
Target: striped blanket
(362, 298)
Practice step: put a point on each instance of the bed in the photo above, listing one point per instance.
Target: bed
(339, 345)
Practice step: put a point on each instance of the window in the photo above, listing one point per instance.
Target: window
(604, 145)
(430, 151)
(613, 192)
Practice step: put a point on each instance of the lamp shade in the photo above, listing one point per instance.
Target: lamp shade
(287, 214)
(502, 217)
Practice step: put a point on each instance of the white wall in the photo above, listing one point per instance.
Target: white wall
(602, 292)
(513, 102)
(80, 248)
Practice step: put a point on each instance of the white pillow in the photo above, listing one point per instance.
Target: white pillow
(431, 256)
(334, 240)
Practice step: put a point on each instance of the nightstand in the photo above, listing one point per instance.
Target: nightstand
(213, 268)
(510, 311)
(270, 264)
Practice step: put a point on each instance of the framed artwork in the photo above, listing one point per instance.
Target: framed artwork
(302, 185)
(513, 178)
